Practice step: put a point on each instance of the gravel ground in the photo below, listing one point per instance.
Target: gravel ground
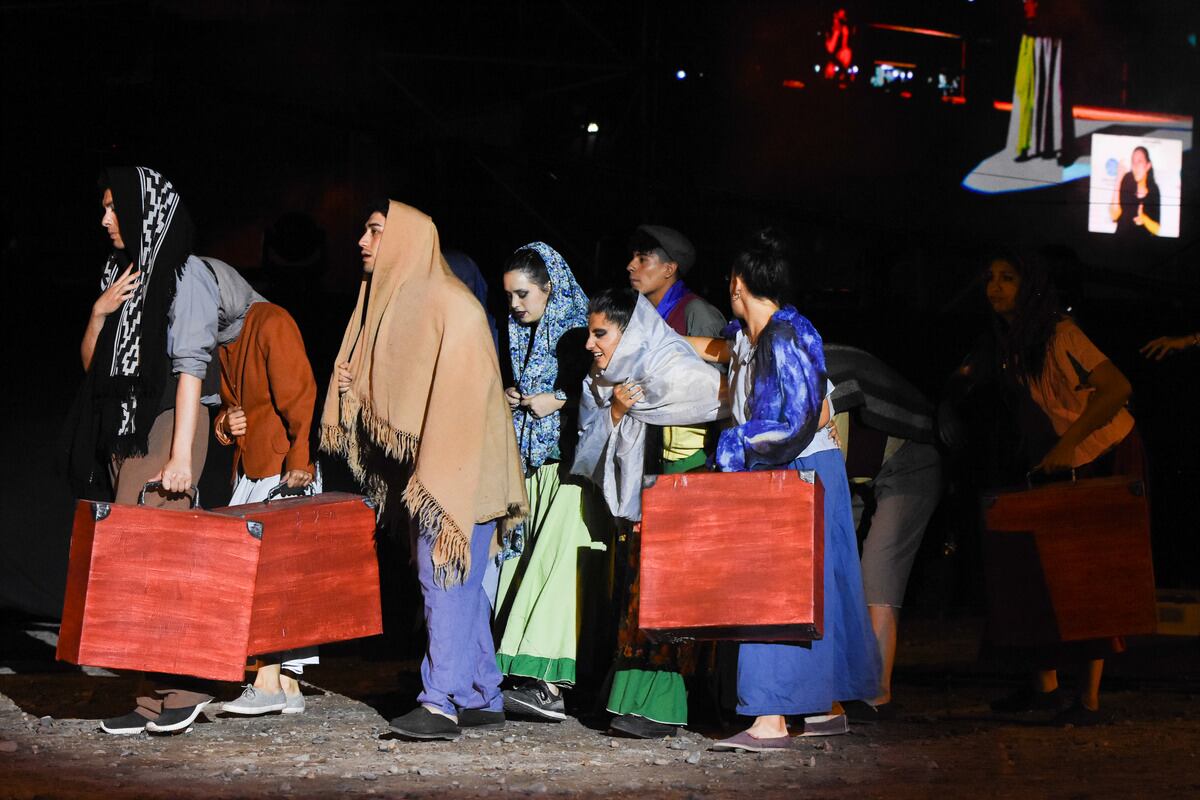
(945, 743)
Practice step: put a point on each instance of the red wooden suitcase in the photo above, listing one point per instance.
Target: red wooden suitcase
(196, 592)
(159, 590)
(318, 577)
(733, 555)
(1069, 561)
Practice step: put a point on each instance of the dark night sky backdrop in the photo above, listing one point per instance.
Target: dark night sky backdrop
(282, 119)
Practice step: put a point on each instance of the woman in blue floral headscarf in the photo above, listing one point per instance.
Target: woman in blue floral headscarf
(536, 602)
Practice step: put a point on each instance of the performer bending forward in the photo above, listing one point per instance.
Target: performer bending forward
(777, 389)
(268, 392)
(643, 373)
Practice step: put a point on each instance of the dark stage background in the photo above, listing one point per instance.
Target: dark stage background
(279, 121)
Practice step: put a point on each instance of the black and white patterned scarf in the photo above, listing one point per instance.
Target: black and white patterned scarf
(131, 366)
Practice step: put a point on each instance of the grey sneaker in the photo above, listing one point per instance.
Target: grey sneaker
(295, 704)
(536, 700)
(256, 701)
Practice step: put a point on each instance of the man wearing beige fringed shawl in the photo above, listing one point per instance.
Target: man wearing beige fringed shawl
(417, 382)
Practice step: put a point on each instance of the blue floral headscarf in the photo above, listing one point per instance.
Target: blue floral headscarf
(537, 373)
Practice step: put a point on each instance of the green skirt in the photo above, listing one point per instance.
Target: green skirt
(648, 681)
(537, 605)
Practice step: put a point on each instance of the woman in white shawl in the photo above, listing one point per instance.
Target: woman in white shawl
(643, 373)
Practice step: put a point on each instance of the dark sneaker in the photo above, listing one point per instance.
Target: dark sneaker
(1080, 716)
(480, 720)
(862, 711)
(421, 723)
(176, 719)
(127, 725)
(642, 728)
(534, 699)
(1028, 699)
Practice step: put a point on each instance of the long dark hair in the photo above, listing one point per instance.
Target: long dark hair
(1022, 344)
(1150, 172)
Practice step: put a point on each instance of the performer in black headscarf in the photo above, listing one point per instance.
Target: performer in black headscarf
(139, 416)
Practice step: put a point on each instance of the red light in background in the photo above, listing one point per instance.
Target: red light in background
(793, 84)
(1111, 114)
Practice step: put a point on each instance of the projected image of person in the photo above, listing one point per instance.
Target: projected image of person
(1136, 202)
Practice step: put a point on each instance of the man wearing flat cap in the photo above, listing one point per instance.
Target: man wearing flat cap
(661, 258)
(649, 697)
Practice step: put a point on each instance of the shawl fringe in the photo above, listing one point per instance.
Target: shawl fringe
(451, 545)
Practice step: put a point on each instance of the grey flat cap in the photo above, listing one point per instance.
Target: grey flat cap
(677, 246)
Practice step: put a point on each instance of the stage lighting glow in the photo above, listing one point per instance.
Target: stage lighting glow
(593, 127)
(680, 74)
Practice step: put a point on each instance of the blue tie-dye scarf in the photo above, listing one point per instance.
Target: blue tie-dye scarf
(785, 401)
(535, 369)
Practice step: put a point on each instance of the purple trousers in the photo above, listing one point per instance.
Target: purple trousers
(459, 669)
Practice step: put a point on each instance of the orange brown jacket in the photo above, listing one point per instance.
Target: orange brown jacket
(266, 371)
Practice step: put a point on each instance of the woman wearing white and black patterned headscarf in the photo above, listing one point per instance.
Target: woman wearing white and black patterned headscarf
(151, 331)
(140, 414)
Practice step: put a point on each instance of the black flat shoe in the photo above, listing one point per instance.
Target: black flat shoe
(642, 728)
(862, 711)
(481, 720)
(1080, 716)
(421, 723)
(1028, 699)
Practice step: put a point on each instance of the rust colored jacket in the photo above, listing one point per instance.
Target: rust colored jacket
(266, 371)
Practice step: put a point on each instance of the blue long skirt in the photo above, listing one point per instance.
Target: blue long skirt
(844, 665)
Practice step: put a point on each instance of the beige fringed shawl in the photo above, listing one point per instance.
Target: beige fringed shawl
(427, 392)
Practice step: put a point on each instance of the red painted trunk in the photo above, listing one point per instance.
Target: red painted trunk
(1068, 562)
(318, 577)
(736, 555)
(197, 592)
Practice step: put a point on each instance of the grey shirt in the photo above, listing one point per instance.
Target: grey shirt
(703, 318)
(192, 323)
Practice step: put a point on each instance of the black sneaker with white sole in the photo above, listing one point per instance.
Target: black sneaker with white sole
(127, 725)
(535, 699)
(176, 719)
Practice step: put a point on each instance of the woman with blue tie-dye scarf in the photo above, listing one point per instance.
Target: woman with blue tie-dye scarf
(778, 389)
(536, 601)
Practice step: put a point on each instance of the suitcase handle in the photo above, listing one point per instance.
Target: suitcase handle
(155, 485)
(281, 492)
(1029, 476)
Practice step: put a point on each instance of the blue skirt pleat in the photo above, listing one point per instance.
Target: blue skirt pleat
(844, 664)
